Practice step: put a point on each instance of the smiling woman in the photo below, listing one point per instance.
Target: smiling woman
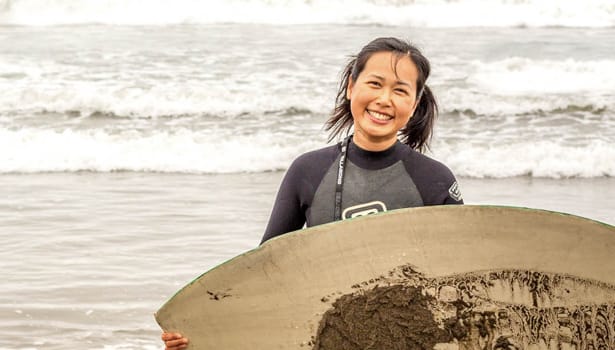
(383, 97)
(382, 100)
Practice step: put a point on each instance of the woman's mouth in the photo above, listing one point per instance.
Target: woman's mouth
(379, 116)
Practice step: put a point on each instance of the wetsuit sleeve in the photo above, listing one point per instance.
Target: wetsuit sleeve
(287, 214)
(435, 182)
(297, 190)
(444, 189)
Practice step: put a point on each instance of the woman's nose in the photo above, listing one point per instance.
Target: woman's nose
(384, 97)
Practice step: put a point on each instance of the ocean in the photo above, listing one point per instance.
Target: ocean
(142, 143)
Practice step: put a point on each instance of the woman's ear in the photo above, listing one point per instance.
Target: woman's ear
(349, 88)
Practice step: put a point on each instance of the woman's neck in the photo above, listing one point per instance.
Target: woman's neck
(373, 145)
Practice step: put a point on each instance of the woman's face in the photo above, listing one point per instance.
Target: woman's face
(381, 101)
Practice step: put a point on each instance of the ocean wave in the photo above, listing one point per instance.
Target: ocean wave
(420, 13)
(180, 104)
(565, 109)
(31, 150)
(523, 76)
(178, 119)
(86, 98)
(544, 159)
(510, 86)
(478, 105)
(519, 85)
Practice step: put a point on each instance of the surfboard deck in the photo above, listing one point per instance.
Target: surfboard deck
(277, 295)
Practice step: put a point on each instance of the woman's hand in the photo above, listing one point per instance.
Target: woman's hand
(174, 341)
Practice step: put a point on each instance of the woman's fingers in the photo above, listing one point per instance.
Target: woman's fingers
(174, 341)
(180, 347)
(170, 336)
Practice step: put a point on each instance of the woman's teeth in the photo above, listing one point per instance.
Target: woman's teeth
(379, 116)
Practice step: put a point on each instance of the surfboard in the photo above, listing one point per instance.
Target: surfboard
(458, 277)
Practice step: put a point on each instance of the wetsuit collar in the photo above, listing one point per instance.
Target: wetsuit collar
(373, 159)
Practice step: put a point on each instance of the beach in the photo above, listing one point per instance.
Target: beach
(139, 149)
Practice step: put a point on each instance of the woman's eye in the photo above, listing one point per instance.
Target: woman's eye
(373, 83)
(402, 91)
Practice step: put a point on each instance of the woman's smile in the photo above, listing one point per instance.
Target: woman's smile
(379, 117)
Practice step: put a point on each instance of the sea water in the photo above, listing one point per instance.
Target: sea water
(142, 143)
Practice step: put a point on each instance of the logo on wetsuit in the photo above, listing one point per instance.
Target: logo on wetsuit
(454, 191)
(363, 209)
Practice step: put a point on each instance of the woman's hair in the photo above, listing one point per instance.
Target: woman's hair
(418, 130)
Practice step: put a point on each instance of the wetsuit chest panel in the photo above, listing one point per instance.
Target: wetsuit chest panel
(365, 192)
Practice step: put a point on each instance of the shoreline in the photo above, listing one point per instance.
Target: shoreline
(592, 198)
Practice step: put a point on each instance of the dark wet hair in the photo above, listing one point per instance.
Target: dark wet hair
(417, 132)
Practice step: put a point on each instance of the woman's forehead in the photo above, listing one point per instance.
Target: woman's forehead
(389, 65)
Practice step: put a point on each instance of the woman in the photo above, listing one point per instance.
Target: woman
(383, 96)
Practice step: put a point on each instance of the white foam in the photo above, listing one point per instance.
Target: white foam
(487, 103)
(517, 75)
(548, 159)
(186, 151)
(521, 85)
(429, 13)
(510, 86)
(44, 86)
(29, 150)
(161, 100)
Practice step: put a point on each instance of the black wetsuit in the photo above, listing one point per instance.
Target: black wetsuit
(398, 177)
